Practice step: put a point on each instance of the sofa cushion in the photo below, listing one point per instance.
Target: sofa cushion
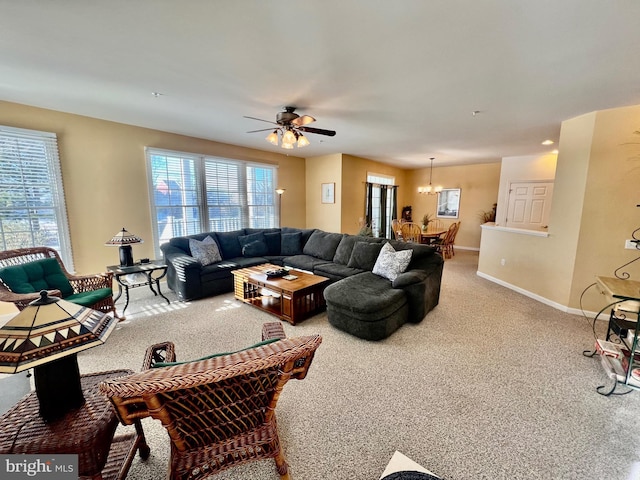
(304, 262)
(391, 263)
(215, 355)
(345, 247)
(291, 243)
(255, 249)
(322, 244)
(258, 245)
(205, 251)
(364, 255)
(306, 233)
(229, 244)
(273, 239)
(335, 271)
(43, 274)
(87, 299)
(365, 296)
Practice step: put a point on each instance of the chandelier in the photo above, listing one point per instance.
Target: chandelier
(290, 137)
(429, 189)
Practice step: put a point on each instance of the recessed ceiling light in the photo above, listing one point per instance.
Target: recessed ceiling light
(157, 94)
(547, 142)
(555, 152)
(475, 112)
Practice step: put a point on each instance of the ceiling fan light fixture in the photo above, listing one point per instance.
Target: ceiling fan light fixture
(302, 141)
(287, 146)
(289, 138)
(272, 138)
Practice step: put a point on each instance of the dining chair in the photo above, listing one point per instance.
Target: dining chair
(411, 232)
(396, 228)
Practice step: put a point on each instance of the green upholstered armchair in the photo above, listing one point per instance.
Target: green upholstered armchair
(24, 272)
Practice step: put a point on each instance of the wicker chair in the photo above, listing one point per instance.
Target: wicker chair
(79, 284)
(220, 411)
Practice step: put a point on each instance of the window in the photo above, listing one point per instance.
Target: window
(193, 193)
(32, 208)
(376, 210)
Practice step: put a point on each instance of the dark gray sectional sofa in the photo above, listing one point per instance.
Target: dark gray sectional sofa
(359, 302)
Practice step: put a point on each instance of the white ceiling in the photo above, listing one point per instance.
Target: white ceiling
(397, 79)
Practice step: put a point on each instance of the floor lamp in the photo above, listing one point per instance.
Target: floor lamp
(280, 191)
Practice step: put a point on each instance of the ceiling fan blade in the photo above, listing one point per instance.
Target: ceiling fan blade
(260, 120)
(262, 130)
(303, 120)
(319, 131)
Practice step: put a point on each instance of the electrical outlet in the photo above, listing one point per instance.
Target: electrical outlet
(631, 244)
(503, 262)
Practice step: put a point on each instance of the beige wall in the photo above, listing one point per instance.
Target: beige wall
(522, 169)
(319, 170)
(478, 192)
(104, 176)
(593, 212)
(354, 177)
(610, 213)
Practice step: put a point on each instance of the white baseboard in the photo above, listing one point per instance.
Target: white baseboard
(474, 249)
(546, 301)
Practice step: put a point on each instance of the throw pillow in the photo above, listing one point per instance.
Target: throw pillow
(322, 244)
(291, 243)
(364, 255)
(391, 263)
(205, 251)
(255, 249)
(273, 241)
(254, 238)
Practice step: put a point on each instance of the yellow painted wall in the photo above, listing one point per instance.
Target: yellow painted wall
(105, 182)
(354, 177)
(609, 214)
(319, 170)
(593, 212)
(544, 266)
(479, 191)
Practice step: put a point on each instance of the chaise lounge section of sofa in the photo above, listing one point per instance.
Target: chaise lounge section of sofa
(359, 301)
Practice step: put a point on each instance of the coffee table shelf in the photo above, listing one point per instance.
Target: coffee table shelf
(290, 300)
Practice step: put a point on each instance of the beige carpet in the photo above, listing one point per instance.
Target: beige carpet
(491, 385)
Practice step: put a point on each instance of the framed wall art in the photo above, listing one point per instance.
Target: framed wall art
(448, 203)
(328, 193)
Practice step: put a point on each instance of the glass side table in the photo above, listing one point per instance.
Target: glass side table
(139, 275)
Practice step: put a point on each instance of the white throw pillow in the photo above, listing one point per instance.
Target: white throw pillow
(390, 263)
(205, 251)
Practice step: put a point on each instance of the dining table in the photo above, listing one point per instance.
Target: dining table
(430, 236)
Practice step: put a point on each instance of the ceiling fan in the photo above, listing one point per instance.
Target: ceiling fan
(290, 128)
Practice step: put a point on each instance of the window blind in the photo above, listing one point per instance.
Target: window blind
(32, 207)
(192, 193)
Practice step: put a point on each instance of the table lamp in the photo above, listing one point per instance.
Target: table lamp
(46, 336)
(124, 240)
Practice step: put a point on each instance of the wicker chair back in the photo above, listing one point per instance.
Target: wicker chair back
(219, 412)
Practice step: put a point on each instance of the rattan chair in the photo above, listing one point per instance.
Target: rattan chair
(79, 284)
(219, 412)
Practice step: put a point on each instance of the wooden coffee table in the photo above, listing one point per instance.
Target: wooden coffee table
(290, 300)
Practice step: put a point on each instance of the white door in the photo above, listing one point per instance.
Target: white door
(529, 205)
